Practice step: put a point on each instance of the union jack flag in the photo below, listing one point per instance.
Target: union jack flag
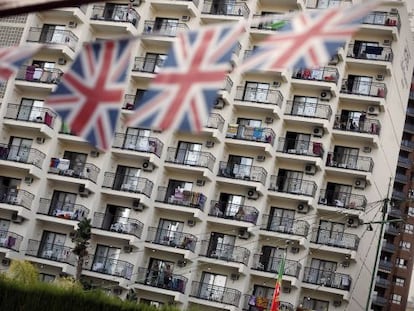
(184, 91)
(88, 99)
(11, 58)
(308, 40)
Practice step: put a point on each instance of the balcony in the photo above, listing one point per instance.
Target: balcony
(308, 110)
(231, 211)
(292, 186)
(405, 162)
(395, 212)
(154, 278)
(40, 76)
(214, 293)
(62, 167)
(227, 8)
(114, 18)
(249, 133)
(327, 4)
(148, 65)
(327, 278)
(285, 225)
(226, 252)
(118, 224)
(186, 198)
(22, 154)
(271, 264)
(342, 200)
(258, 96)
(138, 143)
(187, 7)
(385, 265)
(364, 88)
(379, 301)
(348, 162)
(249, 299)
(368, 126)
(274, 23)
(401, 178)
(54, 252)
(388, 247)
(227, 85)
(128, 183)
(191, 158)
(335, 239)
(392, 229)
(64, 210)
(381, 282)
(242, 172)
(399, 195)
(10, 240)
(300, 147)
(325, 74)
(53, 36)
(17, 197)
(216, 122)
(378, 18)
(129, 102)
(172, 238)
(163, 28)
(409, 127)
(109, 266)
(371, 53)
(36, 115)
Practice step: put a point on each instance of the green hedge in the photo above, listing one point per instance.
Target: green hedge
(46, 297)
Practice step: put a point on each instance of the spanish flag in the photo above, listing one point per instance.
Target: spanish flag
(276, 293)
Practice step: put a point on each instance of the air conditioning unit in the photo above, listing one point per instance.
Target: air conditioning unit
(346, 263)
(5, 262)
(61, 61)
(243, 234)
(294, 249)
(40, 140)
(366, 149)
(303, 208)
(276, 84)
(135, 2)
(310, 169)
(252, 194)
(325, 95)
(269, 120)
(72, 24)
(394, 11)
(318, 131)
(185, 18)
(72, 234)
(387, 42)
(261, 158)
(128, 249)
(360, 183)
(334, 60)
(137, 206)
(28, 180)
(353, 222)
(234, 276)
(380, 77)
(94, 153)
(209, 144)
(373, 110)
(16, 218)
(191, 222)
(200, 182)
(219, 103)
(286, 289)
(181, 263)
(337, 303)
(323, 201)
(83, 192)
(147, 166)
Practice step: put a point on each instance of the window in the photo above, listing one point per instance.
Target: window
(401, 263)
(315, 305)
(256, 92)
(169, 232)
(19, 149)
(396, 299)
(137, 139)
(153, 62)
(221, 246)
(289, 181)
(345, 157)
(408, 228)
(31, 110)
(166, 26)
(281, 220)
(270, 259)
(229, 205)
(116, 219)
(77, 162)
(405, 245)
(331, 233)
(127, 178)
(52, 246)
(63, 204)
(297, 143)
(53, 34)
(47, 278)
(105, 259)
(399, 281)
(188, 153)
(212, 287)
(160, 273)
(304, 106)
(411, 211)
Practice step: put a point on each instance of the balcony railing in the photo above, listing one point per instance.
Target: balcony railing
(363, 164)
(30, 113)
(259, 95)
(379, 301)
(272, 21)
(227, 85)
(364, 88)
(327, 74)
(233, 211)
(395, 212)
(63, 210)
(129, 102)
(241, 171)
(22, 154)
(118, 224)
(215, 293)
(172, 238)
(89, 171)
(327, 278)
(342, 200)
(382, 282)
(36, 74)
(117, 13)
(300, 147)
(249, 133)
(53, 36)
(226, 252)
(138, 143)
(383, 19)
(150, 65)
(161, 279)
(326, 4)
(272, 264)
(292, 185)
(335, 239)
(392, 229)
(164, 28)
(407, 144)
(15, 196)
(55, 252)
(109, 266)
(401, 178)
(308, 110)
(226, 8)
(405, 161)
(184, 198)
(388, 247)
(191, 158)
(375, 53)
(252, 302)
(369, 125)
(285, 225)
(215, 121)
(385, 265)
(128, 183)
(10, 240)
(399, 195)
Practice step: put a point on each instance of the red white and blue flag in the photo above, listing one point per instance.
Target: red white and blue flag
(308, 39)
(12, 58)
(185, 90)
(89, 96)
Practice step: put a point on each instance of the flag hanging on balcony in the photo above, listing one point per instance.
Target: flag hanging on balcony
(185, 89)
(308, 39)
(12, 58)
(276, 300)
(89, 96)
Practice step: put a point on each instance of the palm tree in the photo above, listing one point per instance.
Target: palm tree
(81, 238)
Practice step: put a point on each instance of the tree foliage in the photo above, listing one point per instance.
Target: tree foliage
(23, 271)
(81, 238)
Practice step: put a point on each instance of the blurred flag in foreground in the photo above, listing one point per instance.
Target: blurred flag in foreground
(276, 299)
(12, 58)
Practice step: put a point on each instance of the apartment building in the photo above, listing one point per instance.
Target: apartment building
(290, 164)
